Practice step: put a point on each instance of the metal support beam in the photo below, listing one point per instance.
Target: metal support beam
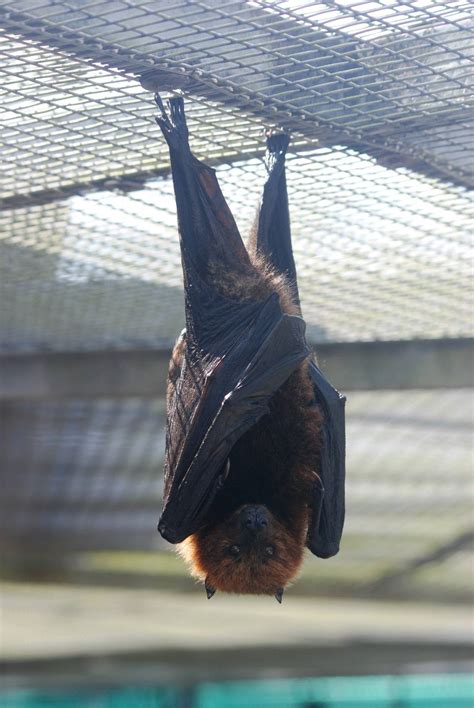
(84, 375)
(411, 364)
(350, 365)
(439, 554)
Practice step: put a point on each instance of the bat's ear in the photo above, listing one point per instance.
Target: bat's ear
(210, 591)
(279, 595)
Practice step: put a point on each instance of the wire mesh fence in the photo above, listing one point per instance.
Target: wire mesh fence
(378, 97)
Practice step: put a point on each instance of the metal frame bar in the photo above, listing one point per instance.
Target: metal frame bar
(350, 365)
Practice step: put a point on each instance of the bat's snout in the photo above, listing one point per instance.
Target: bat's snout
(254, 518)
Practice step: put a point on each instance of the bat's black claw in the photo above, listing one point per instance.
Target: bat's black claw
(210, 591)
(159, 103)
(176, 105)
(173, 125)
(162, 120)
(277, 144)
(279, 595)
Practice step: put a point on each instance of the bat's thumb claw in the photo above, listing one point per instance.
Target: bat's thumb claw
(210, 591)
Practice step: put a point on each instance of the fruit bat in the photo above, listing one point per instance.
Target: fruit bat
(255, 439)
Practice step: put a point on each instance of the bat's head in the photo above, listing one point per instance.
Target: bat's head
(249, 552)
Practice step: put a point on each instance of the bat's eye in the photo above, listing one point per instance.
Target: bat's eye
(234, 550)
(270, 550)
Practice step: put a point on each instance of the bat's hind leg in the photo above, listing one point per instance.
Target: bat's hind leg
(271, 236)
(211, 245)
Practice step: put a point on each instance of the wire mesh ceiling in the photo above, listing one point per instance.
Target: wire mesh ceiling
(377, 96)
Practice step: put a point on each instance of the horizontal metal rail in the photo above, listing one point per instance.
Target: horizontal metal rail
(350, 365)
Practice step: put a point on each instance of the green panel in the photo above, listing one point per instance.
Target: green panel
(439, 691)
(340, 692)
(118, 698)
(442, 691)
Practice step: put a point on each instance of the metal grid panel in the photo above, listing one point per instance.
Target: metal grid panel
(372, 72)
(396, 82)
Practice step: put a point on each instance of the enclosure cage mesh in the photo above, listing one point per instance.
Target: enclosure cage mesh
(378, 99)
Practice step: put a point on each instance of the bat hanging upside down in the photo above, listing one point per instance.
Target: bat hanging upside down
(254, 464)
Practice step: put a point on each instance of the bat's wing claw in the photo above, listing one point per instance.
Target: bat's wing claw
(162, 120)
(160, 105)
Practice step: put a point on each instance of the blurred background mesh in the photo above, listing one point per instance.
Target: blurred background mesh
(378, 96)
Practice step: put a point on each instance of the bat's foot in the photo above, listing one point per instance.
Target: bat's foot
(173, 126)
(178, 117)
(277, 144)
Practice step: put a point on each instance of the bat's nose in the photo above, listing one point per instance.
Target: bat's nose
(254, 518)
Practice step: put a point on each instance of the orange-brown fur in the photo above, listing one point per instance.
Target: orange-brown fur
(273, 464)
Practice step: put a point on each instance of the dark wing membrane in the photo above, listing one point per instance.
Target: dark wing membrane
(324, 536)
(237, 354)
(272, 238)
(216, 401)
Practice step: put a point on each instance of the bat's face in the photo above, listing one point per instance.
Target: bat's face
(250, 552)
